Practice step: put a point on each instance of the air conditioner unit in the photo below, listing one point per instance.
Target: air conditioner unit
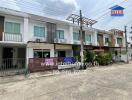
(56, 40)
(62, 41)
(84, 43)
(37, 39)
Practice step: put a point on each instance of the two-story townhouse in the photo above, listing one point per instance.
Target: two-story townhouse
(118, 38)
(12, 45)
(24, 36)
(49, 38)
(103, 41)
(89, 38)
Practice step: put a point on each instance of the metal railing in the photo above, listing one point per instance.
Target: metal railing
(12, 66)
(12, 37)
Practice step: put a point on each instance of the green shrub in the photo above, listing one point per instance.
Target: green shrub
(89, 56)
(104, 58)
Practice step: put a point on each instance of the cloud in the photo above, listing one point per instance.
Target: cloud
(50, 8)
(58, 8)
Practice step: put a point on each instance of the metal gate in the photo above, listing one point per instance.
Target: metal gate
(13, 66)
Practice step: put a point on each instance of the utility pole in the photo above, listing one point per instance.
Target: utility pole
(81, 39)
(82, 21)
(126, 43)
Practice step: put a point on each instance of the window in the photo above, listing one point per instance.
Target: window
(75, 36)
(106, 40)
(39, 31)
(41, 54)
(60, 34)
(11, 27)
(119, 41)
(88, 38)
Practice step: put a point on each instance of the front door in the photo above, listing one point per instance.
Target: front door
(7, 53)
(1, 27)
(8, 57)
(61, 54)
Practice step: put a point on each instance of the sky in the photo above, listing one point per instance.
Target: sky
(60, 9)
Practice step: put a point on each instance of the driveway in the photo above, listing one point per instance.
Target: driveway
(105, 83)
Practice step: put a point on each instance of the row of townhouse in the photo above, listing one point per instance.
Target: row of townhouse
(24, 36)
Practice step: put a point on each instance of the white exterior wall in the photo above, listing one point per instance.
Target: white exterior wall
(52, 53)
(94, 39)
(67, 31)
(26, 30)
(33, 23)
(70, 37)
(29, 54)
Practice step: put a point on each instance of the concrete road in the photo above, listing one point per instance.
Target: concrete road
(106, 83)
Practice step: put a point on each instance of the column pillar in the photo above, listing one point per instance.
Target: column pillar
(95, 42)
(26, 27)
(29, 54)
(52, 52)
(70, 36)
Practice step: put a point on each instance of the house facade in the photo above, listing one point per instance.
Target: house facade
(24, 36)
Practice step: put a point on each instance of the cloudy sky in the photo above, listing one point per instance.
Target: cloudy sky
(60, 9)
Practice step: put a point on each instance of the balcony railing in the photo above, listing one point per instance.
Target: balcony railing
(12, 37)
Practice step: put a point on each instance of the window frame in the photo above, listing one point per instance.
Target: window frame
(13, 27)
(118, 41)
(106, 38)
(87, 37)
(58, 34)
(40, 35)
(42, 51)
(77, 35)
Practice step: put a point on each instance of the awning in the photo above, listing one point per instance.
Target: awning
(40, 46)
(63, 47)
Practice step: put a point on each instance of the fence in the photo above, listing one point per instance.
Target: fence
(44, 64)
(12, 67)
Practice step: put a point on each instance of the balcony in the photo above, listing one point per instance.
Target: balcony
(13, 37)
